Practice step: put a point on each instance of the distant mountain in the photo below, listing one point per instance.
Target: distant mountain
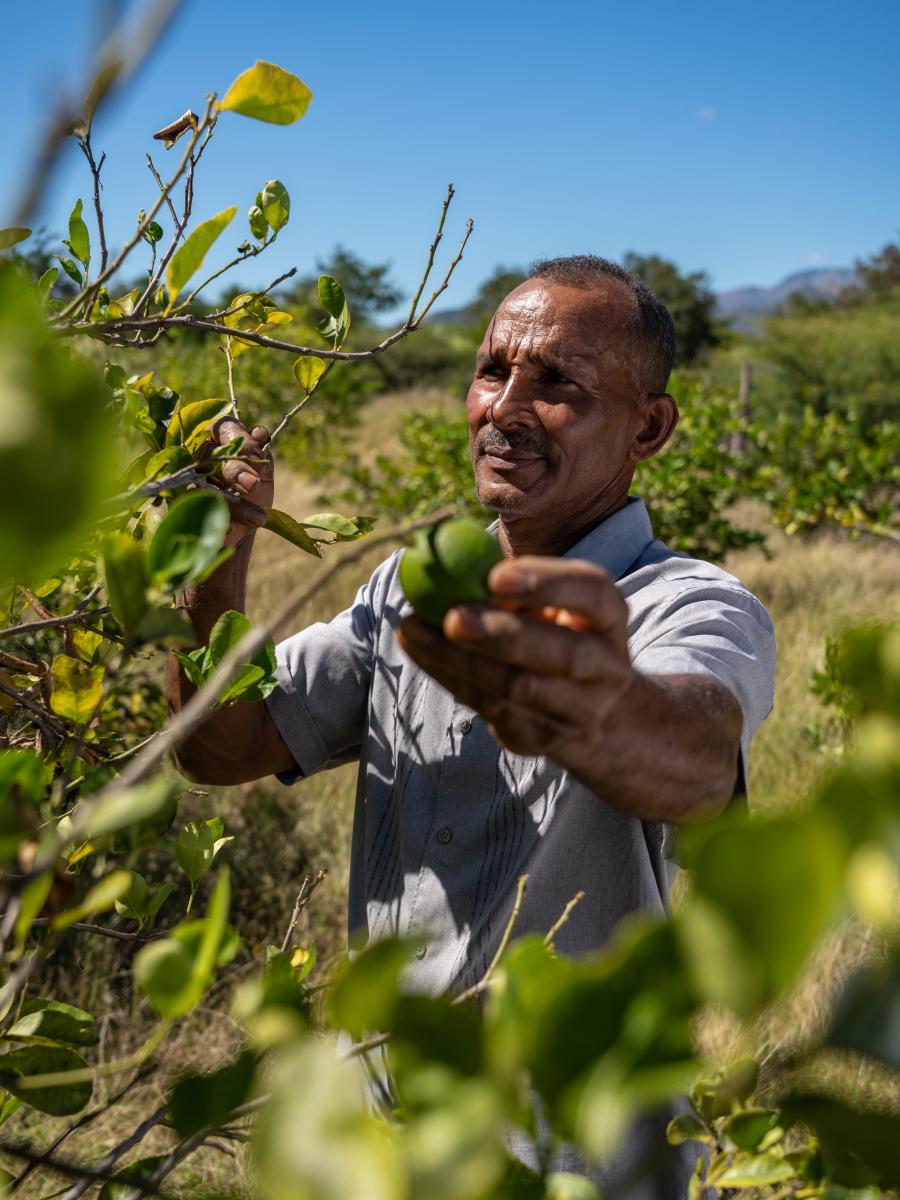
(743, 305)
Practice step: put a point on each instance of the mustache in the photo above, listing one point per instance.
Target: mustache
(512, 439)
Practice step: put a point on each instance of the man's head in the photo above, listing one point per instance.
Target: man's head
(568, 395)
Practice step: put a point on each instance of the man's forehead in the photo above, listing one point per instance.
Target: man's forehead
(565, 321)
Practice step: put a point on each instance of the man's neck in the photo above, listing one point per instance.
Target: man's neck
(520, 537)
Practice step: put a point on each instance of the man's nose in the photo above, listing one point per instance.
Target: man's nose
(513, 405)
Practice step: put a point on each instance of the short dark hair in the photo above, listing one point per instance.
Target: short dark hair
(656, 331)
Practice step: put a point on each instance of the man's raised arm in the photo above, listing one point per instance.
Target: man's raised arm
(241, 742)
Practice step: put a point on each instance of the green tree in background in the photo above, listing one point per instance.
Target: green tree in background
(689, 298)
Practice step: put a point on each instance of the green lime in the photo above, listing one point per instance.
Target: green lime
(448, 565)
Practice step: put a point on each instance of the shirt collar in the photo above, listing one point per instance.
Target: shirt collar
(619, 540)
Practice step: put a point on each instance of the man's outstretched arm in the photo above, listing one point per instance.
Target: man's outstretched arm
(241, 742)
(657, 747)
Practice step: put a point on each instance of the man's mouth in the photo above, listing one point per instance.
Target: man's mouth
(507, 452)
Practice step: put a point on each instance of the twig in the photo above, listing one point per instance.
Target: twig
(86, 1176)
(197, 708)
(470, 225)
(83, 1120)
(38, 716)
(182, 1151)
(204, 128)
(451, 192)
(96, 168)
(162, 188)
(379, 1039)
(75, 617)
(247, 254)
(482, 984)
(566, 913)
(106, 1165)
(121, 935)
(307, 887)
(90, 289)
(226, 350)
(292, 412)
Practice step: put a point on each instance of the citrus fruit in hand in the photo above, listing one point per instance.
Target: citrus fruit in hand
(448, 564)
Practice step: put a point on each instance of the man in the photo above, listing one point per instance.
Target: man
(509, 742)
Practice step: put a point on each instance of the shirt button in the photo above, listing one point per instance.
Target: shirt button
(464, 726)
(421, 951)
(445, 835)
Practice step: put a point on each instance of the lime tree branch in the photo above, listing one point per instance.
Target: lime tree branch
(113, 330)
(96, 168)
(91, 288)
(198, 707)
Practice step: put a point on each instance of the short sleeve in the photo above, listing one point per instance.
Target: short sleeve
(324, 675)
(715, 629)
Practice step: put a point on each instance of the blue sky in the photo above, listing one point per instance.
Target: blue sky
(747, 140)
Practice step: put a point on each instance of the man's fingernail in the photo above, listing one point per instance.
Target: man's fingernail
(462, 623)
(510, 581)
(246, 480)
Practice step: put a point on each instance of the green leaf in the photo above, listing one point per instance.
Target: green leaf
(162, 971)
(256, 219)
(77, 688)
(429, 1029)
(194, 850)
(55, 1021)
(123, 569)
(32, 900)
(686, 1128)
(166, 626)
(198, 1101)
(267, 93)
(777, 911)
(87, 643)
(753, 1170)
(47, 280)
(153, 233)
(563, 1185)
(187, 545)
(79, 239)
(332, 296)
(748, 1127)
(289, 529)
(364, 997)
(13, 235)
(346, 529)
(253, 682)
(276, 204)
(8, 1108)
(120, 810)
(190, 420)
(71, 269)
(58, 1101)
(188, 259)
(308, 370)
(102, 896)
(22, 786)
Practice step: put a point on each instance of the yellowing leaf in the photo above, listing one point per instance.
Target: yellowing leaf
(273, 320)
(194, 419)
(267, 93)
(189, 258)
(308, 371)
(11, 237)
(77, 688)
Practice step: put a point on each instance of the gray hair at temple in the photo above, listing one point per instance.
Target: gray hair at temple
(653, 324)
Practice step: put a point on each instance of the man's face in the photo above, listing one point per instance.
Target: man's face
(556, 404)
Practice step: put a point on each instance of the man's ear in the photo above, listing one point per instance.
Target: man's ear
(659, 416)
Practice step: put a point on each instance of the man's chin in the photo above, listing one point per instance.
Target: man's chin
(504, 497)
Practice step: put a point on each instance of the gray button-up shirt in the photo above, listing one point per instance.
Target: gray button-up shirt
(446, 820)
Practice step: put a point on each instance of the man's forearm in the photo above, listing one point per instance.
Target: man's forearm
(669, 749)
